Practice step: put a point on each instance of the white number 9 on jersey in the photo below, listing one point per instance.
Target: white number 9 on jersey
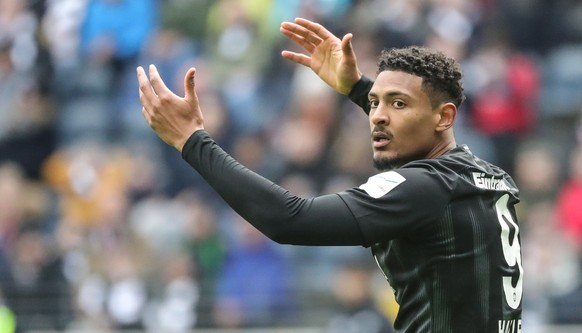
(511, 252)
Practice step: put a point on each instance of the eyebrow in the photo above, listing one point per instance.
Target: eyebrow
(389, 94)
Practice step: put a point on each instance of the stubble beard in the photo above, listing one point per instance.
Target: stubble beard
(386, 164)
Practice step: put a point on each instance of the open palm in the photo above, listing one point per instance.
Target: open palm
(332, 59)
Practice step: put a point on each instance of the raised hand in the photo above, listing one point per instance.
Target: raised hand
(332, 59)
(173, 118)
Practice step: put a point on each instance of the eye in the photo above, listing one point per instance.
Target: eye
(373, 103)
(398, 104)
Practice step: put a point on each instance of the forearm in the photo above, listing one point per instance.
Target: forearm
(283, 217)
(359, 93)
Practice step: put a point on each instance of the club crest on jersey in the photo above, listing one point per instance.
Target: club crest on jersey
(489, 182)
(380, 184)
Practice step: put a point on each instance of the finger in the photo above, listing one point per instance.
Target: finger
(301, 32)
(316, 28)
(144, 110)
(190, 85)
(157, 82)
(297, 57)
(146, 92)
(347, 48)
(146, 115)
(299, 40)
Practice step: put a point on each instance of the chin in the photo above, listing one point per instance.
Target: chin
(385, 161)
(385, 164)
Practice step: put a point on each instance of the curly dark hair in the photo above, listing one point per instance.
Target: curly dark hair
(441, 75)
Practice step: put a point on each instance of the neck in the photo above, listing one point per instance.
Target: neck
(442, 147)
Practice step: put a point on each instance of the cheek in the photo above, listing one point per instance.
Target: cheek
(417, 131)
(411, 123)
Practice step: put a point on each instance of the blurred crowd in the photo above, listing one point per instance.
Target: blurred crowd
(104, 227)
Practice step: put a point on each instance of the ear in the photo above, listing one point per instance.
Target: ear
(447, 112)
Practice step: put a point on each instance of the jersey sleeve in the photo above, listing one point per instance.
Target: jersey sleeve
(395, 203)
(359, 93)
(280, 215)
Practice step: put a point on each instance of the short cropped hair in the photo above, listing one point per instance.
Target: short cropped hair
(441, 75)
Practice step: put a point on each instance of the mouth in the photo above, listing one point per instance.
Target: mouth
(380, 139)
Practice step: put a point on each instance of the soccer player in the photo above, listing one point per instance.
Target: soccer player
(440, 221)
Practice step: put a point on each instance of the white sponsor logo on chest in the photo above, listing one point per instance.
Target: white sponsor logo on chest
(380, 184)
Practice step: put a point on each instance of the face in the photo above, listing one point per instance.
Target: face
(402, 120)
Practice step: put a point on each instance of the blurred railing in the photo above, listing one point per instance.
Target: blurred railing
(563, 329)
(546, 329)
(248, 330)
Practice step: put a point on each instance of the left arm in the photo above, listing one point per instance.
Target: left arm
(359, 93)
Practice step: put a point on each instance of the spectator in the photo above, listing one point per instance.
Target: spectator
(569, 200)
(254, 288)
(356, 310)
(174, 310)
(504, 97)
(18, 26)
(41, 295)
(111, 41)
(61, 27)
(30, 137)
(207, 251)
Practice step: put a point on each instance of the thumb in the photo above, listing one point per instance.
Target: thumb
(190, 85)
(347, 47)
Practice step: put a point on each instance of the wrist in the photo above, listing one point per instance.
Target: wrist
(347, 89)
(191, 140)
(180, 144)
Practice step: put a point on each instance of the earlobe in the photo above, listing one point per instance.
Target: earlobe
(447, 114)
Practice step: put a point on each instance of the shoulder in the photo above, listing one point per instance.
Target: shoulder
(393, 203)
(418, 177)
(382, 183)
(417, 181)
(465, 172)
(455, 161)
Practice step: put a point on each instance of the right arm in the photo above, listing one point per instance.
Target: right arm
(283, 217)
(280, 215)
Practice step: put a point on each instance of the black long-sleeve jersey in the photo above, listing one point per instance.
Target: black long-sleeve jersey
(443, 231)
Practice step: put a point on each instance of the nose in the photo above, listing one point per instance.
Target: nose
(379, 116)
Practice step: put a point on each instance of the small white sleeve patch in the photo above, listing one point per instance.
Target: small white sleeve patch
(380, 184)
